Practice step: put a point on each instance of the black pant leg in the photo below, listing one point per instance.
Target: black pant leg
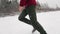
(23, 15)
(33, 19)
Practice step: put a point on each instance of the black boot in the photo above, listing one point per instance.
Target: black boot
(33, 30)
(43, 32)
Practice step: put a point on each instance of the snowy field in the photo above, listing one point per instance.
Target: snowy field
(49, 20)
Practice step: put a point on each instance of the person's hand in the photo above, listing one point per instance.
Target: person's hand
(21, 8)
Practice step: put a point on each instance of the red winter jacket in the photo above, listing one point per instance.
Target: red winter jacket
(30, 2)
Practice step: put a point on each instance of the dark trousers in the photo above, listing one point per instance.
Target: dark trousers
(33, 20)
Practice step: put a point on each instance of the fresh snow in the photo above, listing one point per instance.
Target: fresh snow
(49, 20)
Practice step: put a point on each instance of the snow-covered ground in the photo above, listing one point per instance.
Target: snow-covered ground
(49, 20)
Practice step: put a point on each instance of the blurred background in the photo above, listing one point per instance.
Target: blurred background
(10, 7)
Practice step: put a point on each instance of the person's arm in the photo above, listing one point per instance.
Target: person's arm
(21, 8)
(22, 5)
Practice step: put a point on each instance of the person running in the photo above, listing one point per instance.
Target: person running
(29, 6)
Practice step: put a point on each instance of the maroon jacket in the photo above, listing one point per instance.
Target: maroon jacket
(30, 2)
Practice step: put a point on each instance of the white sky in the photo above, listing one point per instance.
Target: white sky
(51, 3)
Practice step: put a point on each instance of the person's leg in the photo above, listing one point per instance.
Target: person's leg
(23, 15)
(23, 19)
(33, 19)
